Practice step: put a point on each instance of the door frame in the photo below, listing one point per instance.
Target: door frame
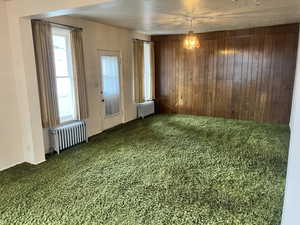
(121, 114)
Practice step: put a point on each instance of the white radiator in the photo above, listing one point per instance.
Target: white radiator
(145, 109)
(66, 136)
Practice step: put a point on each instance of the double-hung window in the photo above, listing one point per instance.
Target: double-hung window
(64, 74)
(147, 71)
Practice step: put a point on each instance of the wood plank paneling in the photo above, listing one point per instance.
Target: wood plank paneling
(243, 74)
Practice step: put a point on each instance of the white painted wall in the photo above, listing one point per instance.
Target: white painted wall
(291, 208)
(10, 136)
(98, 36)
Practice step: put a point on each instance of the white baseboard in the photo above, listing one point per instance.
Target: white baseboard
(38, 162)
(7, 167)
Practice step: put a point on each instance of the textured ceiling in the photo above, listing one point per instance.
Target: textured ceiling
(171, 16)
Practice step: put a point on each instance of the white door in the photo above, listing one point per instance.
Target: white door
(111, 92)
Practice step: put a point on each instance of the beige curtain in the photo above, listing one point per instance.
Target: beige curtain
(138, 64)
(79, 74)
(45, 73)
(152, 58)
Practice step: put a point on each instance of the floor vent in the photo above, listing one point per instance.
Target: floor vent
(66, 136)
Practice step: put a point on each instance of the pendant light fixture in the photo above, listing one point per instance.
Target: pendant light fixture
(191, 40)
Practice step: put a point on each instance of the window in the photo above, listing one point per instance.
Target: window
(147, 71)
(64, 74)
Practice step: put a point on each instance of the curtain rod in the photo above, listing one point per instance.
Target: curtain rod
(62, 25)
(135, 39)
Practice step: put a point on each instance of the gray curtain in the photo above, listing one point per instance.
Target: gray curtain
(45, 66)
(79, 73)
(138, 68)
(152, 58)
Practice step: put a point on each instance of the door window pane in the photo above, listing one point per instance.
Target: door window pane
(110, 84)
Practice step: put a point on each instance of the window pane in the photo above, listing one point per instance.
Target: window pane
(147, 71)
(111, 85)
(66, 104)
(64, 74)
(60, 55)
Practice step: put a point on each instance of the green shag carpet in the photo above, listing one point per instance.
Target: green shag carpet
(166, 169)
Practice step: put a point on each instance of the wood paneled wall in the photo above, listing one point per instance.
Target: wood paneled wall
(243, 74)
